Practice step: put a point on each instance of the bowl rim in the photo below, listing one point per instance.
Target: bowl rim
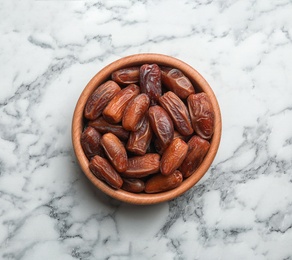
(104, 74)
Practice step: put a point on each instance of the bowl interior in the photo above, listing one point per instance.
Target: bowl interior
(199, 83)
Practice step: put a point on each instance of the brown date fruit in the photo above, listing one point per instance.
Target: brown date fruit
(202, 114)
(103, 170)
(100, 98)
(150, 82)
(90, 142)
(177, 110)
(115, 151)
(141, 166)
(133, 185)
(160, 183)
(104, 127)
(198, 148)
(135, 111)
(161, 124)
(177, 82)
(114, 111)
(173, 156)
(126, 76)
(139, 140)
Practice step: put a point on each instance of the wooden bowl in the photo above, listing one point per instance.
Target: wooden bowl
(77, 127)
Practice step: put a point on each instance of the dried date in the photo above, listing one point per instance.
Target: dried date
(160, 183)
(90, 142)
(177, 82)
(115, 151)
(114, 111)
(142, 166)
(177, 110)
(100, 98)
(135, 111)
(161, 124)
(139, 140)
(173, 156)
(103, 170)
(133, 185)
(126, 76)
(198, 148)
(202, 114)
(150, 82)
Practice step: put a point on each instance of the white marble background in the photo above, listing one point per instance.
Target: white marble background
(241, 209)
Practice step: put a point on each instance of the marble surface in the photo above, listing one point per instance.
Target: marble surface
(241, 209)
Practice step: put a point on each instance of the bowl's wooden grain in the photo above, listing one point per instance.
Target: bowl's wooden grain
(77, 126)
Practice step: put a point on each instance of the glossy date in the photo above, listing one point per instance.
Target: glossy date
(141, 166)
(139, 140)
(100, 98)
(177, 82)
(173, 156)
(126, 76)
(133, 185)
(103, 170)
(114, 111)
(160, 183)
(161, 124)
(115, 151)
(202, 114)
(135, 111)
(198, 148)
(90, 142)
(150, 82)
(178, 112)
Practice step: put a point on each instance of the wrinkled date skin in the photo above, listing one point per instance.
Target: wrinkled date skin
(173, 156)
(115, 151)
(100, 98)
(160, 183)
(133, 185)
(139, 140)
(103, 170)
(177, 82)
(161, 124)
(150, 82)
(177, 110)
(142, 166)
(114, 111)
(126, 76)
(104, 127)
(202, 114)
(90, 142)
(135, 111)
(198, 148)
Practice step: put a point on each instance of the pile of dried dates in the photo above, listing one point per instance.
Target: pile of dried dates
(146, 129)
